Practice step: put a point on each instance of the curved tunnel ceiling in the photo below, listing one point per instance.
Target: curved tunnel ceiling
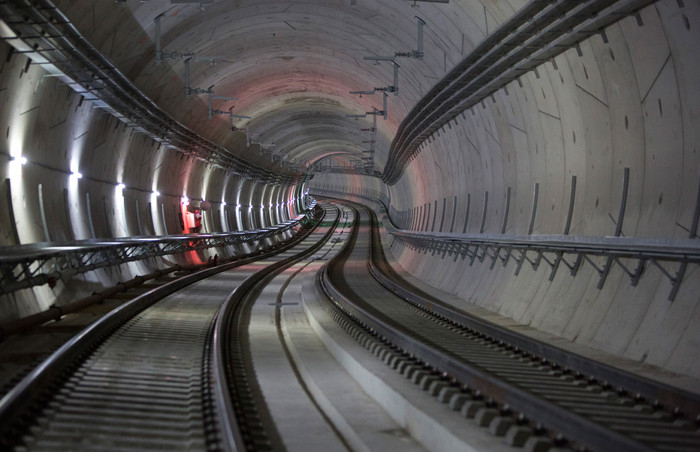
(290, 65)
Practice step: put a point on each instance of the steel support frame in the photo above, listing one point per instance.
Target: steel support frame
(634, 262)
(577, 252)
(34, 269)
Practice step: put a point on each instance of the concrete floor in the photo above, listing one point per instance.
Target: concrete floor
(630, 103)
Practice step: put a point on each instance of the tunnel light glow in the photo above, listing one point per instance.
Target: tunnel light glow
(223, 203)
(76, 175)
(19, 159)
(185, 201)
(121, 187)
(156, 193)
(238, 206)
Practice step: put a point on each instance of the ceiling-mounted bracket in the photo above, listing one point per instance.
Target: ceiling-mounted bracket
(418, 53)
(387, 89)
(383, 111)
(211, 97)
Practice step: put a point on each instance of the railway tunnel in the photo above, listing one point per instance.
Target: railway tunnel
(530, 163)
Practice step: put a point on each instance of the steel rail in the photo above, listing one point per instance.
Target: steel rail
(537, 33)
(512, 392)
(41, 31)
(23, 399)
(667, 395)
(235, 366)
(550, 414)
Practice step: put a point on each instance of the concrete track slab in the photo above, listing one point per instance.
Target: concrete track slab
(315, 404)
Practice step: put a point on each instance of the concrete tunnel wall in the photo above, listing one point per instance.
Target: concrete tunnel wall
(629, 103)
(58, 132)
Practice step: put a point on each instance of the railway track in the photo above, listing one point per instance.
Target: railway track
(156, 373)
(179, 370)
(28, 341)
(531, 393)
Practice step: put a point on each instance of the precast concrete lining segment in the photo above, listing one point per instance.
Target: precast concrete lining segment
(40, 30)
(307, 144)
(534, 35)
(258, 66)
